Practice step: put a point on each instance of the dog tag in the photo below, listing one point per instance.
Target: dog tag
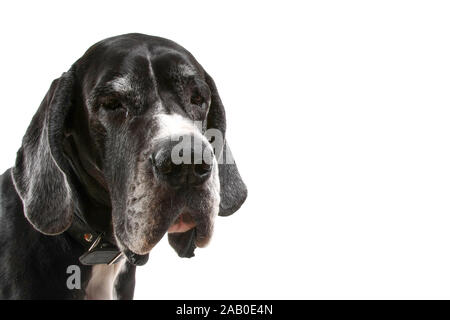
(105, 255)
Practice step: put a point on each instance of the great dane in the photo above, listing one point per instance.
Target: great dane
(127, 145)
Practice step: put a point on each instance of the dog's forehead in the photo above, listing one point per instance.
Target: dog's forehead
(141, 66)
(128, 59)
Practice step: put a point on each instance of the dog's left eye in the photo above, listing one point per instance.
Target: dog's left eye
(111, 105)
(198, 100)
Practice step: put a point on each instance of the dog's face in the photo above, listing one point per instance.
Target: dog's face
(138, 128)
(139, 100)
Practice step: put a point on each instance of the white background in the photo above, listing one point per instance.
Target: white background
(338, 117)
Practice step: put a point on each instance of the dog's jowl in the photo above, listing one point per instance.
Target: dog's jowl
(126, 146)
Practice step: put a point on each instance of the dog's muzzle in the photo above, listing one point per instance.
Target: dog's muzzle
(182, 166)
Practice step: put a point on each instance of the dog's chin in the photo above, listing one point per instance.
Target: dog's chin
(183, 225)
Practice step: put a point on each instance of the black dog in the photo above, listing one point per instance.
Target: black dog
(95, 185)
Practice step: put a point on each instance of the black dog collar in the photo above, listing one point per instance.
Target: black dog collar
(99, 251)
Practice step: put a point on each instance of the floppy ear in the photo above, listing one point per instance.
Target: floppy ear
(233, 191)
(38, 174)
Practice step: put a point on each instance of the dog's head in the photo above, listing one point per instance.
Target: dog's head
(132, 136)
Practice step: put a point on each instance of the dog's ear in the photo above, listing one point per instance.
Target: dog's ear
(40, 164)
(233, 191)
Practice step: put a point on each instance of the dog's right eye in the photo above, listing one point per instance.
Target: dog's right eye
(112, 104)
(197, 99)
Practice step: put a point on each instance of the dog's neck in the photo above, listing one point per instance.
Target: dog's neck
(90, 187)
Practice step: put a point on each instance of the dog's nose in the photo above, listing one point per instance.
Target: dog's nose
(180, 165)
